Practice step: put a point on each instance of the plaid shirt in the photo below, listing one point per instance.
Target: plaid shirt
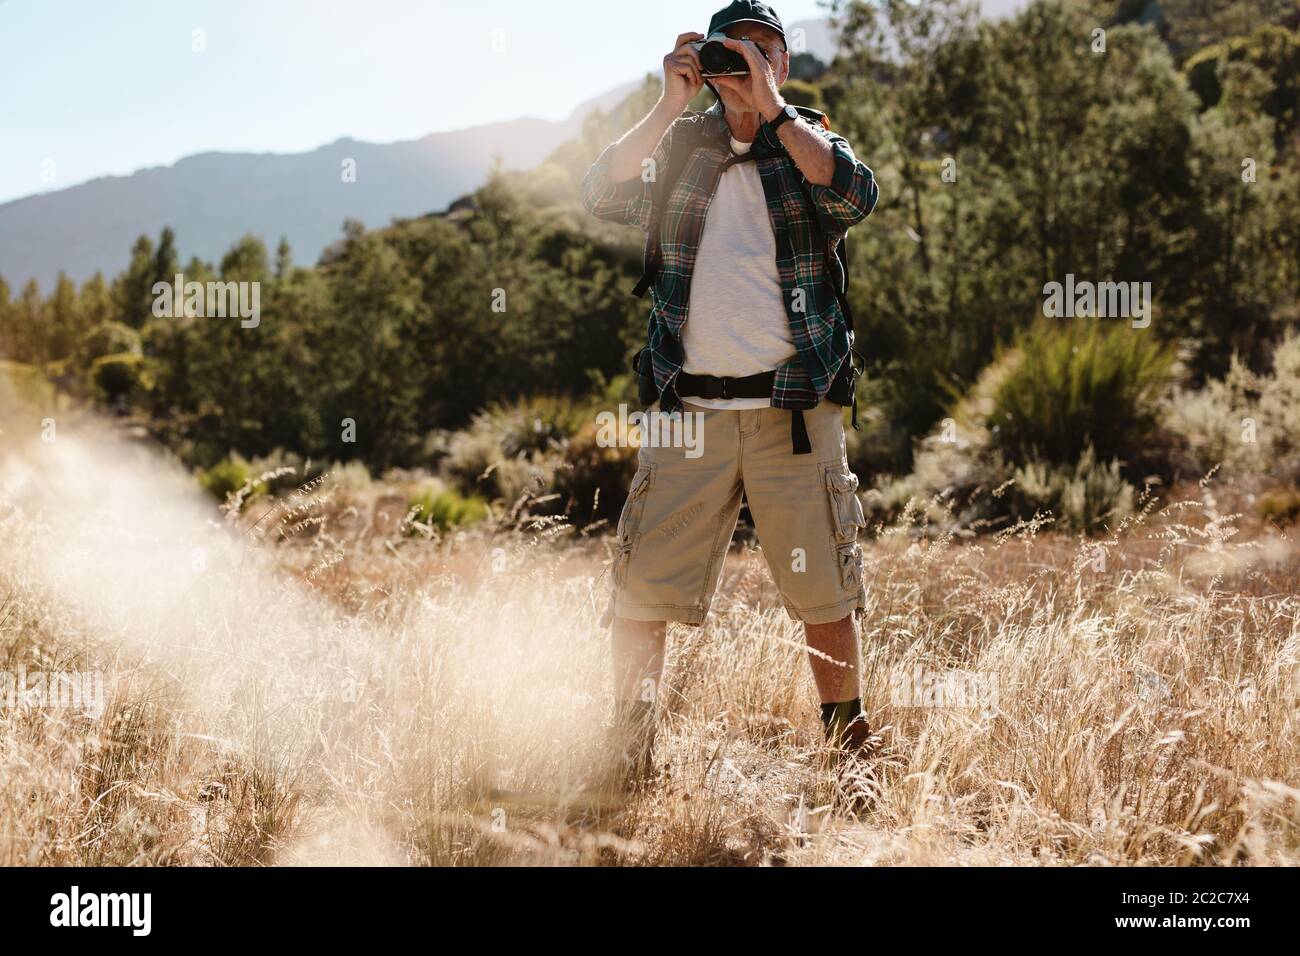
(806, 236)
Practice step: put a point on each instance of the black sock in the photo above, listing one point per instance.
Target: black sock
(841, 714)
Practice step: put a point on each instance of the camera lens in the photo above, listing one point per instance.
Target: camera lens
(716, 58)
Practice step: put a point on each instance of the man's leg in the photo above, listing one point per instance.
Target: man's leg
(833, 653)
(637, 649)
(808, 517)
(837, 670)
(672, 540)
(638, 652)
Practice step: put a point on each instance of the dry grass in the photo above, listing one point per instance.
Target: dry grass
(363, 691)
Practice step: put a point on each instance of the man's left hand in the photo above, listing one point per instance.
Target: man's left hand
(758, 90)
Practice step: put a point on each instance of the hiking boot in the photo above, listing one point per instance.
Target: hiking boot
(852, 763)
(856, 739)
(630, 748)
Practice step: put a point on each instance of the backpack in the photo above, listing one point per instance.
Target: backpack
(687, 135)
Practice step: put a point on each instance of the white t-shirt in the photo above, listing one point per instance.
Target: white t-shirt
(736, 324)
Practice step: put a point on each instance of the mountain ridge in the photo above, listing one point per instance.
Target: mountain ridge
(212, 198)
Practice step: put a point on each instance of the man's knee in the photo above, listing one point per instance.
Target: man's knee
(627, 625)
(843, 623)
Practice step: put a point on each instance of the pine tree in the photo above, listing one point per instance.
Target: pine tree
(132, 290)
(283, 258)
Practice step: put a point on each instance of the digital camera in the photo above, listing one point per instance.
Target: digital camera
(717, 60)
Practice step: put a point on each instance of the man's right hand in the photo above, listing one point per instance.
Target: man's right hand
(682, 79)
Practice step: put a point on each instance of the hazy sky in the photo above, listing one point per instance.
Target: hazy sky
(100, 87)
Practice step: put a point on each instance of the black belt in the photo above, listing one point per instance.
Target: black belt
(749, 386)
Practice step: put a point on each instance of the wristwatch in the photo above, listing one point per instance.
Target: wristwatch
(789, 113)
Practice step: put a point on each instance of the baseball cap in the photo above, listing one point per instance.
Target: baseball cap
(747, 11)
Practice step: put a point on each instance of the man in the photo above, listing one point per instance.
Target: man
(745, 249)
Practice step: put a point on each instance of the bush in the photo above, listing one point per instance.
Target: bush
(352, 475)
(120, 376)
(445, 508)
(25, 385)
(539, 424)
(1079, 385)
(593, 480)
(1086, 497)
(510, 450)
(225, 477)
(477, 466)
(109, 338)
(1021, 441)
(1281, 508)
(280, 471)
(1247, 422)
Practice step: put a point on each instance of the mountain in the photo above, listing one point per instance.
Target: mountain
(211, 199)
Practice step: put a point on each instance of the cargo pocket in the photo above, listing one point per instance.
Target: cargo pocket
(846, 520)
(846, 509)
(849, 558)
(629, 522)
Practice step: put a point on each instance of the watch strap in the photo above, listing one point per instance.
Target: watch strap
(781, 118)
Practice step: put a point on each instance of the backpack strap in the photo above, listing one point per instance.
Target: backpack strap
(686, 137)
(841, 290)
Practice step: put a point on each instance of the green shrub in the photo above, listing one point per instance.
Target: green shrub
(1019, 443)
(109, 338)
(225, 477)
(509, 450)
(1281, 508)
(538, 424)
(1087, 496)
(1077, 385)
(25, 385)
(881, 444)
(122, 375)
(445, 508)
(1274, 50)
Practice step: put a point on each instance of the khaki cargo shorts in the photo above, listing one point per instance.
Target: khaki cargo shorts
(681, 511)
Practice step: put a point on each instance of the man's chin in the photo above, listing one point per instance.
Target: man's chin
(731, 106)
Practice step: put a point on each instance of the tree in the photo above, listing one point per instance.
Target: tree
(133, 289)
(63, 319)
(165, 262)
(283, 259)
(8, 323)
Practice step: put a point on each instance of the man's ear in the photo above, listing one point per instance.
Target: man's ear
(784, 73)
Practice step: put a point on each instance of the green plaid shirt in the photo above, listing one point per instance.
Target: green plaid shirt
(806, 236)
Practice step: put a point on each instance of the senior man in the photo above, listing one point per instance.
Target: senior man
(748, 330)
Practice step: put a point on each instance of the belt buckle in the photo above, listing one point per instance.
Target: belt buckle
(725, 385)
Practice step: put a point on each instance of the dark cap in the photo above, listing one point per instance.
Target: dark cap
(746, 11)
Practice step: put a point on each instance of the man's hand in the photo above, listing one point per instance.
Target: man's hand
(758, 90)
(682, 79)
